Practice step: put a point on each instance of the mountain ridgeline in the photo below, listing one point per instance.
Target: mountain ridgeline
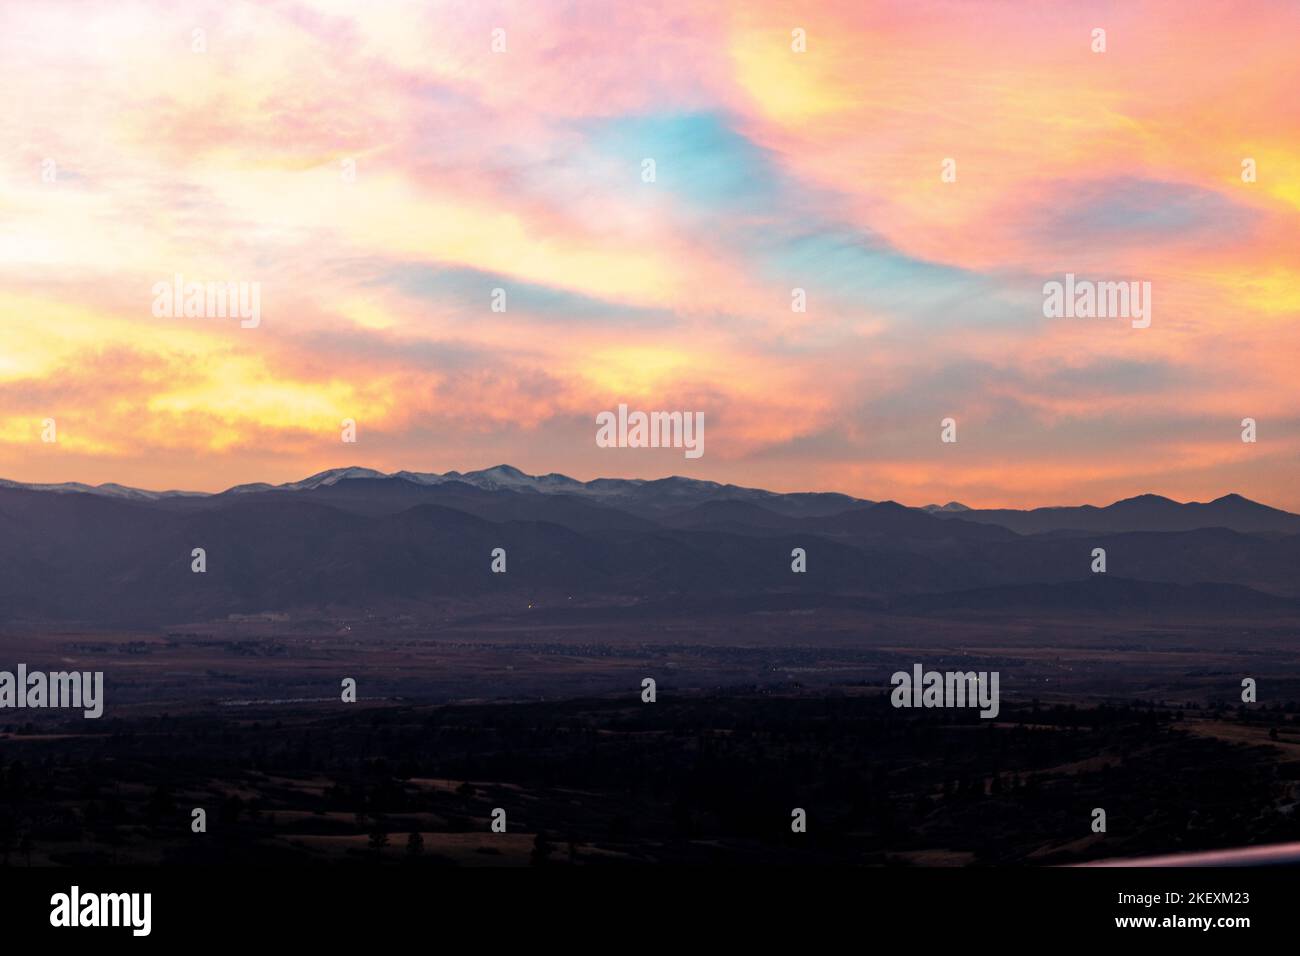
(354, 541)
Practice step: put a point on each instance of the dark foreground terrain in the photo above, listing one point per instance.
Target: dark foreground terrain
(545, 720)
(704, 779)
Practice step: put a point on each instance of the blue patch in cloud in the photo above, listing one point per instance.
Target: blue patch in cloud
(471, 289)
(1143, 209)
(855, 269)
(699, 158)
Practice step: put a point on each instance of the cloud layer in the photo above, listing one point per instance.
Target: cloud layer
(379, 170)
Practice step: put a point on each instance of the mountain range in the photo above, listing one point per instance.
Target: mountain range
(358, 541)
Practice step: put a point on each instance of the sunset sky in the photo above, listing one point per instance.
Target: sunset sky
(129, 156)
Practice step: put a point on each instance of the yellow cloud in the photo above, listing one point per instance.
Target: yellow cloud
(790, 86)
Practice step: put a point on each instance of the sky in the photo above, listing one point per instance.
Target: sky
(919, 170)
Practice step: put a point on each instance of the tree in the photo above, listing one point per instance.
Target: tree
(542, 850)
(161, 806)
(232, 808)
(8, 835)
(414, 844)
(378, 838)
